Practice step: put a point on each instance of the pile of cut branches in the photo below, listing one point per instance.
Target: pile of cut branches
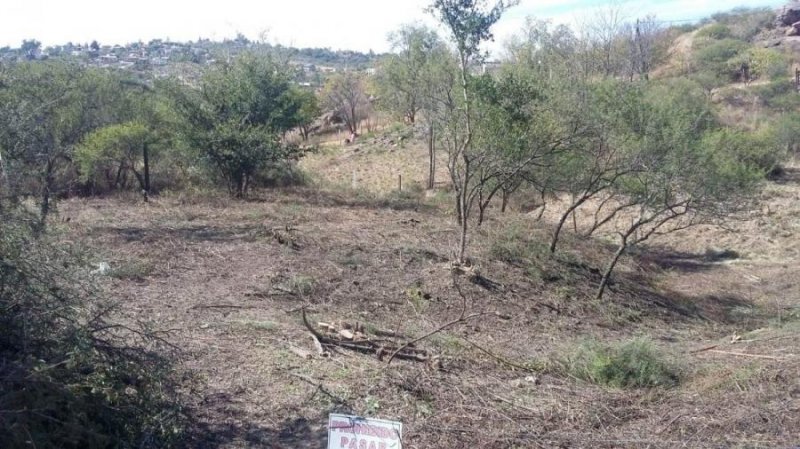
(355, 337)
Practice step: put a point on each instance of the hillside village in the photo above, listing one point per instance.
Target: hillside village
(163, 58)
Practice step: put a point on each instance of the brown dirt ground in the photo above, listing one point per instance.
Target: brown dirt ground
(226, 279)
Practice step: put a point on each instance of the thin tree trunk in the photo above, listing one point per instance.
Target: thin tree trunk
(119, 176)
(463, 214)
(610, 268)
(44, 208)
(557, 232)
(465, 156)
(431, 159)
(462, 250)
(146, 187)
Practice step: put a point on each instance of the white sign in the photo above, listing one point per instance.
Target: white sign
(355, 432)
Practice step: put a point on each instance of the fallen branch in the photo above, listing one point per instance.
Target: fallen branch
(742, 354)
(462, 317)
(366, 346)
(319, 386)
(499, 358)
(704, 349)
(220, 306)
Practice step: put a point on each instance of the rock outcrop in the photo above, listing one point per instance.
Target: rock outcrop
(789, 15)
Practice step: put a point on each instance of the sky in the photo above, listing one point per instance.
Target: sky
(338, 24)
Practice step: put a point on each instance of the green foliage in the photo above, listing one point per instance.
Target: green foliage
(408, 76)
(762, 63)
(715, 31)
(779, 95)
(738, 157)
(113, 151)
(785, 133)
(69, 377)
(469, 21)
(238, 117)
(308, 109)
(632, 364)
(746, 23)
(714, 56)
(45, 110)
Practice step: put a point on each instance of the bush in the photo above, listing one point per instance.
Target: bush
(739, 150)
(69, 378)
(785, 133)
(762, 62)
(746, 23)
(779, 95)
(714, 55)
(715, 31)
(633, 364)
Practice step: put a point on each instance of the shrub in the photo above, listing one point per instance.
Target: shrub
(779, 95)
(762, 62)
(633, 364)
(714, 56)
(738, 150)
(785, 132)
(715, 31)
(746, 23)
(69, 378)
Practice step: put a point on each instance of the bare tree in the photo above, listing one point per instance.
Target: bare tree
(345, 96)
(603, 30)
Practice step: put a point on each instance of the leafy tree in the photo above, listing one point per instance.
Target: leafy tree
(308, 111)
(402, 79)
(685, 172)
(46, 109)
(238, 116)
(414, 78)
(30, 48)
(520, 128)
(469, 23)
(116, 150)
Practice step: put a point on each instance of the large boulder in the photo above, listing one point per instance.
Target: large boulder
(788, 15)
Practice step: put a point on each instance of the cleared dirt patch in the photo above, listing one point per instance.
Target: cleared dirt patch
(225, 280)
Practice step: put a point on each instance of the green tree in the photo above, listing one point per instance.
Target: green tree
(116, 150)
(469, 23)
(412, 80)
(308, 111)
(46, 109)
(30, 48)
(402, 79)
(685, 172)
(237, 117)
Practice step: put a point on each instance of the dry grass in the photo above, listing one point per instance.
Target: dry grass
(225, 280)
